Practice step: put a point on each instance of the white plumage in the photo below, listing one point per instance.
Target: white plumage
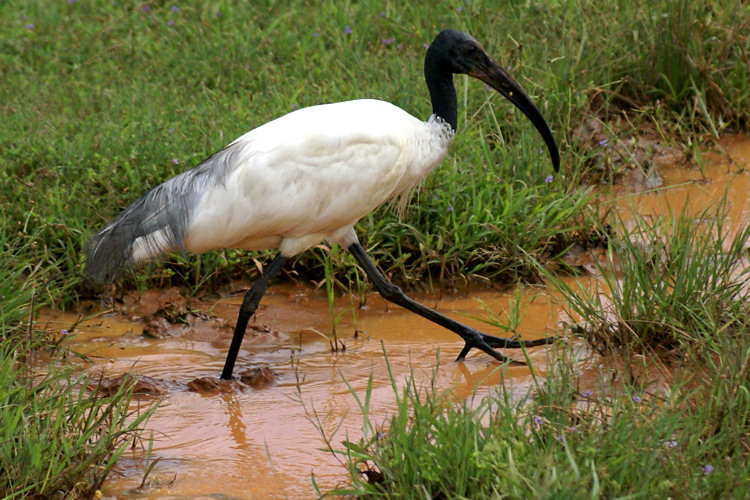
(310, 176)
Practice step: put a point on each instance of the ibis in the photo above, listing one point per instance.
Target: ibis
(309, 176)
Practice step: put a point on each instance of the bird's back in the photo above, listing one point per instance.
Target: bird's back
(304, 177)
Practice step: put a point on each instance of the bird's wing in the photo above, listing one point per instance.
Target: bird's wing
(309, 173)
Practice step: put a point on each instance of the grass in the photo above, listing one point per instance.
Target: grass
(559, 442)
(674, 288)
(669, 282)
(104, 100)
(60, 435)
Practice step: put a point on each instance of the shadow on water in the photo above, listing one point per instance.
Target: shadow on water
(261, 443)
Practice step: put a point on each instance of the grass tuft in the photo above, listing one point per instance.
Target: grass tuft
(668, 282)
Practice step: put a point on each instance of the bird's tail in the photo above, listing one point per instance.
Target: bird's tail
(158, 221)
(155, 223)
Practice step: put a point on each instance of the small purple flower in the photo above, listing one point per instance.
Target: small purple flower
(586, 394)
(29, 26)
(387, 41)
(548, 179)
(573, 428)
(146, 8)
(65, 331)
(707, 469)
(426, 45)
(459, 9)
(381, 435)
(347, 30)
(672, 443)
(450, 208)
(636, 399)
(71, 2)
(538, 420)
(174, 9)
(559, 438)
(316, 34)
(170, 22)
(382, 14)
(603, 142)
(175, 161)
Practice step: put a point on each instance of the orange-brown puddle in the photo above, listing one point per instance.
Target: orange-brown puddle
(262, 443)
(723, 172)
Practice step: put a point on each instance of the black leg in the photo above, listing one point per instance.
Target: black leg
(472, 337)
(247, 309)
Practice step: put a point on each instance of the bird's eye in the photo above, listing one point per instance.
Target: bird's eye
(471, 49)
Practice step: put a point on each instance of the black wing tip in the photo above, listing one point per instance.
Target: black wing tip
(106, 258)
(101, 272)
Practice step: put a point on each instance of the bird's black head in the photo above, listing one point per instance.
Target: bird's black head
(454, 51)
(457, 52)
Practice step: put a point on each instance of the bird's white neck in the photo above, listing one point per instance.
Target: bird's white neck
(431, 145)
(443, 130)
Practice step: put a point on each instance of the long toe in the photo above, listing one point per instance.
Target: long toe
(493, 341)
(480, 340)
(489, 350)
(514, 343)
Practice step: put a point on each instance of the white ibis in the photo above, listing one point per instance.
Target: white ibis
(310, 176)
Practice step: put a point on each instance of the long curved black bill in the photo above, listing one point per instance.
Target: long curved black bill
(494, 76)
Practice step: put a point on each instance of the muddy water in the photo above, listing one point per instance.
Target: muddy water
(262, 443)
(723, 172)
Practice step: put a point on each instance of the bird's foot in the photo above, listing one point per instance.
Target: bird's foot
(514, 343)
(474, 338)
(487, 343)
